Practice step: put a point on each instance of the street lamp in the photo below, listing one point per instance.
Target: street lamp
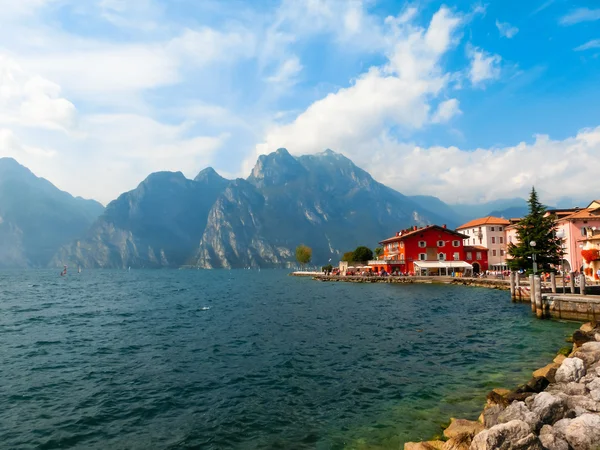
(533, 244)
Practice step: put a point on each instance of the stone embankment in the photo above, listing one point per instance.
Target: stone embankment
(558, 409)
(462, 281)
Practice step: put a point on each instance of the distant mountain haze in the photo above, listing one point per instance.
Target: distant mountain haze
(36, 218)
(324, 201)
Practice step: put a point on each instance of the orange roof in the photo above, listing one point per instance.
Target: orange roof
(584, 214)
(411, 232)
(489, 220)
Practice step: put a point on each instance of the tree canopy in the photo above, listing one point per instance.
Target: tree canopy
(348, 256)
(539, 227)
(378, 251)
(303, 254)
(360, 253)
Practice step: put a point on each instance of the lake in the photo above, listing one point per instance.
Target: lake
(245, 359)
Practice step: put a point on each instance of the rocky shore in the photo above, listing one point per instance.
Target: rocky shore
(558, 409)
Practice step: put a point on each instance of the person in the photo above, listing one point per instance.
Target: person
(598, 274)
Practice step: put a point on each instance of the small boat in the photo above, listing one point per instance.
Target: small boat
(79, 270)
(64, 271)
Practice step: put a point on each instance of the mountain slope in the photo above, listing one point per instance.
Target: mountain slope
(322, 200)
(36, 218)
(158, 224)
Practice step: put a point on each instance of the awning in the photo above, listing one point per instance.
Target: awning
(443, 264)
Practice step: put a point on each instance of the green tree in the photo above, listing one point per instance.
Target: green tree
(539, 227)
(327, 269)
(362, 254)
(348, 256)
(303, 254)
(378, 251)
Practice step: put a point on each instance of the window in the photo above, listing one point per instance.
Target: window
(402, 257)
(501, 240)
(440, 243)
(494, 252)
(422, 244)
(492, 229)
(583, 231)
(493, 240)
(478, 255)
(442, 256)
(469, 255)
(456, 256)
(455, 243)
(401, 244)
(501, 252)
(499, 228)
(422, 256)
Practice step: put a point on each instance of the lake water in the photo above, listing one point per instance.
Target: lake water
(245, 359)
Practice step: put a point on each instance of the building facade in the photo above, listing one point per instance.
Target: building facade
(430, 250)
(577, 229)
(488, 232)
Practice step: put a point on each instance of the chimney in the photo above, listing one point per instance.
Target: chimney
(444, 226)
(397, 233)
(414, 228)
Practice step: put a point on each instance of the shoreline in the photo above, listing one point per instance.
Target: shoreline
(557, 409)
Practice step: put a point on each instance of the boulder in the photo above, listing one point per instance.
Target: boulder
(580, 337)
(518, 411)
(593, 384)
(548, 408)
(559, 359)
(586, 327)
(551, 441)
(595, 395)
(513, 435)
(572, 369)
(429, 445)
(491, 414)
(582, 402)
(583, 432)
(571, 388)
(462, 427)
(458, 443)
(547, 372)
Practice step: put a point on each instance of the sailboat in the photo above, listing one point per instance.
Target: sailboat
(79, 269)
(64, 271)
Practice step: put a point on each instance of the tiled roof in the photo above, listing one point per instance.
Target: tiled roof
(584, 214)
(411, 232)
(489, 220)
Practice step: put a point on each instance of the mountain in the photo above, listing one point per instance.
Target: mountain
(37, 218)
(158, 224)
(434, 204)
(493, 208)
(323, 200)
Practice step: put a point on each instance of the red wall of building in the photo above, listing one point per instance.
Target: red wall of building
(431, 236)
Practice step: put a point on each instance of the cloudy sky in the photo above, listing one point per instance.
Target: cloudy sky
(466, 101)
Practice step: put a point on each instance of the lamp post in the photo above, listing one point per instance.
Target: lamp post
(533, 244)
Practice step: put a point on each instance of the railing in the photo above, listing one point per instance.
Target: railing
(386, 261)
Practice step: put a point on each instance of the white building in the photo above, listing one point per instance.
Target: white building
(488, 232)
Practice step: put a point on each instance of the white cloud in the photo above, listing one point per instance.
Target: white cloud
(486, 174)
(506, 29)
(484, 66)
(11, 146)
(446, 110)
(30, 100)
(396, 94)
(287, 71)
(594, 43)
(580, 15)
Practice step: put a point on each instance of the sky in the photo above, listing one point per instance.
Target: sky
(463, 100)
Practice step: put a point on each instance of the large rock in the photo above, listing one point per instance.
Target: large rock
(586, 327)
(518, 411)
(514, 435)
(552, 441)
(580, 337)
(559, 359)
(462, 427)
(547, 372)
(548, 408)
(458, 443)
(572, 369)
(571, 388)
(491, 415)
(429, 445)
(583, 433)
(581, 402)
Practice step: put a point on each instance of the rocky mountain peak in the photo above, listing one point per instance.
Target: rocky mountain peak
(209, 175)
(277, 168)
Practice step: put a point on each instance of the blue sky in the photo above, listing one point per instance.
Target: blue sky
(463, 100)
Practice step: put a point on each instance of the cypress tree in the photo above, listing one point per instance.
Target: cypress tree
(540, 227)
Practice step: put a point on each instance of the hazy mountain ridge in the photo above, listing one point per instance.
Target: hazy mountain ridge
(37, 218)
(322, 200)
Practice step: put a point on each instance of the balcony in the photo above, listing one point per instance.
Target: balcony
(385, 261)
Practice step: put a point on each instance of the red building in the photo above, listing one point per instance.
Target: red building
(430, 250)
(477, 256)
